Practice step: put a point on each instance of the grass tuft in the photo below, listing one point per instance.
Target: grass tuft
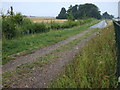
(31, 42)
(94, 67)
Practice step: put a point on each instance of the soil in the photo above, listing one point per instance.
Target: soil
(29, 58)
(41, 78)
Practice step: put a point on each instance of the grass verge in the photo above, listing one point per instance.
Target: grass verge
(94, 67)
(31, 42)
(23, 71)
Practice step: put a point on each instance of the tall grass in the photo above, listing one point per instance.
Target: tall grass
(94, 67)
(34, 41)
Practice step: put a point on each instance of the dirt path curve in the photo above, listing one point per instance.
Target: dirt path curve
(41, 79)
(40, 52)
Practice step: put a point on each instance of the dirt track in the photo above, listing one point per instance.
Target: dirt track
(41, 79)
(39, 53)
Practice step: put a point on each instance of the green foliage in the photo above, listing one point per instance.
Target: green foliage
(70, 16)
(0, 26)
(8, 28)
(63, 14)
(40, 27)
(18, 18)
(26, 26)
(55, 25)
(10, 24)
(107, 16)
(94, 66)
(82, 11)
(88, 10)
(70, 23)
(17, 25)
(34, 41)
(40, 62)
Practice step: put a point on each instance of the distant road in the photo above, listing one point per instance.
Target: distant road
(101, 24)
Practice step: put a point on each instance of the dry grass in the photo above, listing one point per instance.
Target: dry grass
(46, 19)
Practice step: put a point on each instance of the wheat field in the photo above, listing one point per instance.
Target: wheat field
(46, 19)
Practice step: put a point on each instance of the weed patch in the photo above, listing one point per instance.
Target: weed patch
(94, 67)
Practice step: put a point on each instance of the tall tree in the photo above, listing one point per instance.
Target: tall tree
(107, 16)
(70, 16)
(74, 10)
(89, 10)
(81, 11)
(63, 14)
(70, 12)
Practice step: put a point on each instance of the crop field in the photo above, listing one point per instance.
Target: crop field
(46, 19)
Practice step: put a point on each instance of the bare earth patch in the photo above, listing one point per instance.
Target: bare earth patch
(41, 78)
(38, 53)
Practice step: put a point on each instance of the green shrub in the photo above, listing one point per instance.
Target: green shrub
(55, 25)
(27, 26)
(31, 42)
(8, 28)
(31, 28)
(65, 25)
(0, 27)
(18, 18)
(17, 25)
(39, 27)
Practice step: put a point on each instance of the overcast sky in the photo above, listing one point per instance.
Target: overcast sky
(52, 8)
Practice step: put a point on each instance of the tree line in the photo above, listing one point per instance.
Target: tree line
(16, 24)
(82, 11)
